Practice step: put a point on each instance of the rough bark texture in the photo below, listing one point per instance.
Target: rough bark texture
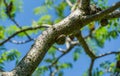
(69, 25)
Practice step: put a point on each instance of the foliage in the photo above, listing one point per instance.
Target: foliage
(96, 39)
(17, 6)
(1, 32)
(76, 54)
(8, 56)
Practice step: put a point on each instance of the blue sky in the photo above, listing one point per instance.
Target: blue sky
(27, 16)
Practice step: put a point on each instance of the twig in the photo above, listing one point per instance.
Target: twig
(108, 54)
(64, 53)
(59, 49)
(91, 67)
(50, 68)
(21, 42)
(26, 29)
(59, 57)
(52, 73)
(14, 21)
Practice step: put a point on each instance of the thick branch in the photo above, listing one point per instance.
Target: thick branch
(115, 14)
(69, 25)
(85, 6)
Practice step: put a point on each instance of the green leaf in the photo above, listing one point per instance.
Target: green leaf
(49, 2)
(101, 73)
(22, 34)
(52, 51)
(76, 54)
(46, 19)
(10, 55)
(100, 36)
(66, 65)
(57, 20)
(97, 72)
(1, 1)
(60, 9)
(34, 23)
(60, 73)
(118, 57)
(41, 10)
(11, 29)
(40, 71)
(1, 32)
(48, 60)
(113, 34)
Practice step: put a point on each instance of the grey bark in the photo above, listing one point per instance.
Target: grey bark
(74, 22)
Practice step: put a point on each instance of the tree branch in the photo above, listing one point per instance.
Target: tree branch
(108, 54)
(115, 14)
(91, 67)
(53, 73)
(20, 31)
(85, 46)
(101, 14)
(85, 6)
(12, 19)
(71, 24)
(64, 52)
(21, 42)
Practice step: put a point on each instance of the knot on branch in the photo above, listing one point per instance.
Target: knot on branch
(93, 9)
(90, 9)
(61, 39)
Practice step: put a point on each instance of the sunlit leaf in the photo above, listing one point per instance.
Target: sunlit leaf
(60, 9)
(40, 10)
(40, 71)
(52, 51)
(46, 19)
(11, 29)
(66, 65)
(1, 32)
